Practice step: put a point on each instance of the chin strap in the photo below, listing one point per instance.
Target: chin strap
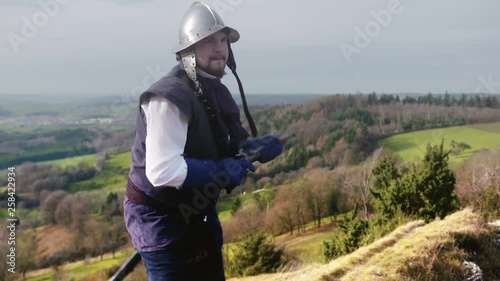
(231, 63)
(189, 61)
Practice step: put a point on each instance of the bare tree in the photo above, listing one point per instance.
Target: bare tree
(99, 234)
(358, 182)
(26, 252)
(284, 213)
(63, 213)
(49, 206)
(248, 219)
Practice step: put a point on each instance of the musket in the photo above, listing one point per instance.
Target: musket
(126, 268)
(253, 155)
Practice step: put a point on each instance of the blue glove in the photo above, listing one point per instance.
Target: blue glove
(228, 172)
(272, 147)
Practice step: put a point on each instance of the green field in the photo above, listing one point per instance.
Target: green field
(88, 160)
(412, 146)
(224, 207)
(112, 177)
(81, 270)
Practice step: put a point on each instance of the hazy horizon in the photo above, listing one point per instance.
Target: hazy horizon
(77, 47)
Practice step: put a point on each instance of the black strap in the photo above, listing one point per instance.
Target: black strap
(231, 63)
(219, 137)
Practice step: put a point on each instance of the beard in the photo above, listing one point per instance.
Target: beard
(215, 66)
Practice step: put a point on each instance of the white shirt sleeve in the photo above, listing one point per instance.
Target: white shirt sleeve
(165, 140)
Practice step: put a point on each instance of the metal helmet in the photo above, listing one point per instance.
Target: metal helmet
(199, 22)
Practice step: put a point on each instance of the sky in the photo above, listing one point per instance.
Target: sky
(78, 47)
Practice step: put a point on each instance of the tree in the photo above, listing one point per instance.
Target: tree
(283, 211)
(332, 203)
(354, 231)
(317, 188)
(101, 233)
(116, 239)
(248, 219)
(63, 214)
(435, 184)
(359, 181)
(56, 259)
(255, 255)
(49, 206)
(112, 206)
(458, 148)
(385, 173)
(426, 190)
(26, 252)
(236, 205)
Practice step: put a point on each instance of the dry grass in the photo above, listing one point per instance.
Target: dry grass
(340, 265)
(412, 252)
(414, 256)
(51, 239)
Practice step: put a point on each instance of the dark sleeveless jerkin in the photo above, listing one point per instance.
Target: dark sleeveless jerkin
(155, 224)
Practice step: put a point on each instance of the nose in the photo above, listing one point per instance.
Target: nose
(219, 46)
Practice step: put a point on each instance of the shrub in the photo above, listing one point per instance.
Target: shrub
(255, 255)
(354, 232)
(426, 190)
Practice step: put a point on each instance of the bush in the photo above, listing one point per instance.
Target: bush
(255, 255)
(426, 191)
(354, 232)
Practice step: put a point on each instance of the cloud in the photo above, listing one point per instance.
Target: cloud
(107, 43)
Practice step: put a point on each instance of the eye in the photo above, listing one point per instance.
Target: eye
(208, 41)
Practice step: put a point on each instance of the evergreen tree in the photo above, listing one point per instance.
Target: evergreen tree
(236, 205)
(383, 190)
(255, 255)
(354, 231)
(434, 184)
(426, 190)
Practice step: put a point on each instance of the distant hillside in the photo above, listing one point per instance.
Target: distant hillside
(275, 99)
(334, 134)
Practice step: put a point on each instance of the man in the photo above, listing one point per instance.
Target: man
(188, 132)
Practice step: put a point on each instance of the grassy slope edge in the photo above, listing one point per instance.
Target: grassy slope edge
(408, 253)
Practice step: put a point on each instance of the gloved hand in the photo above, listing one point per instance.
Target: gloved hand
(272, 147)
(228, 172)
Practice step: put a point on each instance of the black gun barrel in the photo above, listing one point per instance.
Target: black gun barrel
(284, 138)
(256, 154)
(126, 268)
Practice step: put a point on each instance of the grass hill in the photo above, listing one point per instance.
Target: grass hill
(112, 177)
(411, 146)
(415, 251)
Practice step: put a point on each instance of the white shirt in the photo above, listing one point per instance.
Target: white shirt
(166, 128)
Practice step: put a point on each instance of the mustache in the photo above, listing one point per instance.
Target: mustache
(218, 57)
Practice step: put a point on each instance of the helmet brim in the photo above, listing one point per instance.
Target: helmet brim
(232, 34)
